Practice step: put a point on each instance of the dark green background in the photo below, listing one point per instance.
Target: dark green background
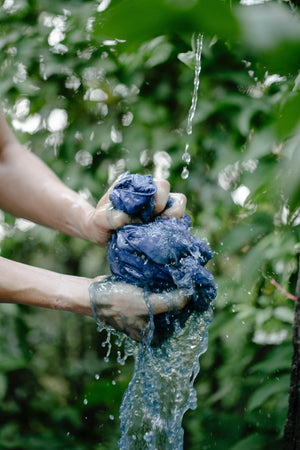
(245, 132)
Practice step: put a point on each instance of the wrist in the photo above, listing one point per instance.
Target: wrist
(72, 294)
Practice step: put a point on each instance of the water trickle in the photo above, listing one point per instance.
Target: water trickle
(186, 157)
(196, 84)
(107, 343)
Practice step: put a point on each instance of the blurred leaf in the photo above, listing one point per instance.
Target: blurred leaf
(247, 233)
(277, 359)
(3, 386)
(262, 394)
(188, 58)
(253, 442)
(272, 31)
(289, 115)
(137, 21)
(9, 363)
(289, 181)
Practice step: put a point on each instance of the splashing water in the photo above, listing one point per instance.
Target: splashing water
(161, 389)
(186, 157)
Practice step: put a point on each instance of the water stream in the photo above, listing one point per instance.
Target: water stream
(186, 157)
(162, 387)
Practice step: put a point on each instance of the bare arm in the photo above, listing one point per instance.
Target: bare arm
(32, 286)
(119, 305)
(29, 189)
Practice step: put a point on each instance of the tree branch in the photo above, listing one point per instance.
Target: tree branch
(291, 438)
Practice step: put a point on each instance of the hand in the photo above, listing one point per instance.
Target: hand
(123, 306)
(104, 219)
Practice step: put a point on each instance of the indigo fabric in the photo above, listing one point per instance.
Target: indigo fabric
(162, 255)
(134, 194)
(159, 255)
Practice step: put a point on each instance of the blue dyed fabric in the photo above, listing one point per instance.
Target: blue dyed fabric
(134, 194)
(159, 255)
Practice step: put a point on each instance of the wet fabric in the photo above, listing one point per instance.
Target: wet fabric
(134, 194)
(159, 255)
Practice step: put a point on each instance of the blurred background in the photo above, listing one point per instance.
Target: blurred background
(92, 106)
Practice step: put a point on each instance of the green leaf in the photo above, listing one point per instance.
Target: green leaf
(253, 442)
(9, 363)
(272, 32)
(3, 386)
(137, 21)
(188, 58)
(261, 395)
(289, 115)
(279, 358)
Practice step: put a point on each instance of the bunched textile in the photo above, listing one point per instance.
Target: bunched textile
(134, 194)
(158, 255)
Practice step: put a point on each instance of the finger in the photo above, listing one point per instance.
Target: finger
(177, 209)
(168, 301)
(108, 218)
(162, 195)
(179, 299)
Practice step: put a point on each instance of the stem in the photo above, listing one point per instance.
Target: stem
(291, 438)
(280, 288)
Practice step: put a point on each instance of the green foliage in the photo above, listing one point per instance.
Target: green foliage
(126, 103)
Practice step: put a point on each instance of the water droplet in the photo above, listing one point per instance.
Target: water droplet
(85, 401)
(185, 173)
(97, 376)
(186, 157)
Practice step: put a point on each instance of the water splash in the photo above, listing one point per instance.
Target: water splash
(186, 157)
(161, 389)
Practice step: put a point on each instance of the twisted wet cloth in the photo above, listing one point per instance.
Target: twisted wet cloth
(159, 254)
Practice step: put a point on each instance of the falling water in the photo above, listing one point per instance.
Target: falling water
(161, 389)
(186, 157)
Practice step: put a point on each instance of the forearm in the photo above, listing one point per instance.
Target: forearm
(29, 189)
(33, 286)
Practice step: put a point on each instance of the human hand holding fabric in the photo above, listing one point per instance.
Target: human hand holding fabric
(122, 306)
(29, 189)
(105, 219)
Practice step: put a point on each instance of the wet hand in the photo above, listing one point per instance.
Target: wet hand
(105, 219)
(123, 306)
(178, 201)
